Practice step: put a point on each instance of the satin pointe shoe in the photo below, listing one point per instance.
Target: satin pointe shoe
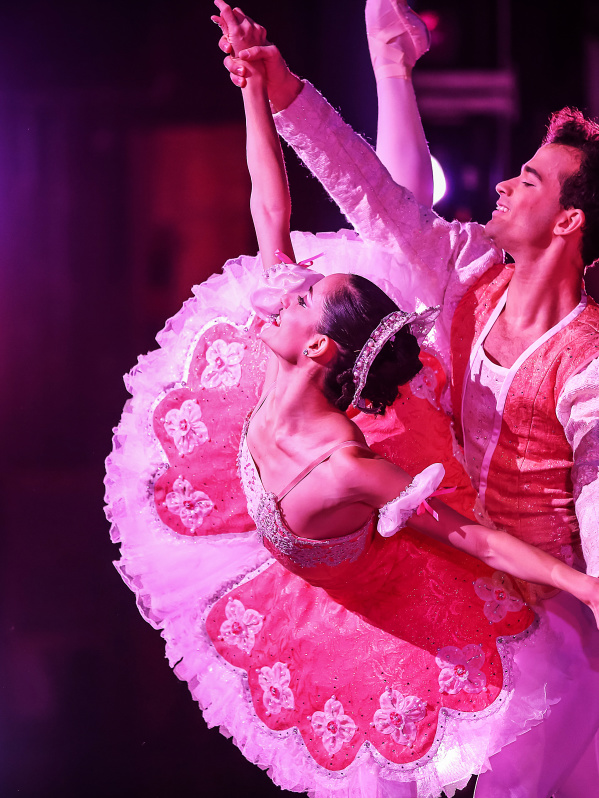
(397, 37)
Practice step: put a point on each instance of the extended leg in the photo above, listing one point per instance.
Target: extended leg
(397, 38)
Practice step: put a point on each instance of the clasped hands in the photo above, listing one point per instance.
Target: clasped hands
(247, 47)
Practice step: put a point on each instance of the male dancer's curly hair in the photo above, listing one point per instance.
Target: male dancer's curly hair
(580, 190)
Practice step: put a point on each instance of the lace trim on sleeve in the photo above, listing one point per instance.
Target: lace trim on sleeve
(395, 514)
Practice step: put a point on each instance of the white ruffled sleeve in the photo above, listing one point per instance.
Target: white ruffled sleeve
(395, 514)
(441, 258)
(578, 413)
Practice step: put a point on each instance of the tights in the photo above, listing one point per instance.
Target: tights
(400, 141)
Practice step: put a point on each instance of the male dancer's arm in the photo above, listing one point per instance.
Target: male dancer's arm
(438, 258)
(442, 258)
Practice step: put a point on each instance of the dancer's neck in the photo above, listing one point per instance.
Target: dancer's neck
(543, 290)
(298, 404)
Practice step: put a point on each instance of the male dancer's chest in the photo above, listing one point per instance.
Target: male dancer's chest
(504, 344)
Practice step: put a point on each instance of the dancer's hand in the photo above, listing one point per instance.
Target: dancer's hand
(239, 31)
(246, 44)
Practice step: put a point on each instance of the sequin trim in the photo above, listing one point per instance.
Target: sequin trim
(271, 527)
(304, 552)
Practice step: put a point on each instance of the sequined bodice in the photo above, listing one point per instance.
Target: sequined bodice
(296, 553)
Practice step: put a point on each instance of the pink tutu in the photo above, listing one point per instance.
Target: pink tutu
(391, 675)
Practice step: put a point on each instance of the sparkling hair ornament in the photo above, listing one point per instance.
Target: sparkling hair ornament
(421, 323)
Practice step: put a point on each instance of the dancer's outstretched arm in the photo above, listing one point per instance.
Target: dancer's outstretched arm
(397, 38)
(507, 553)
(377, 481)
(270, 202)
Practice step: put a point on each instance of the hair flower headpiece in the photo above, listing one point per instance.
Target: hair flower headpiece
(285, 277)
(421, 323)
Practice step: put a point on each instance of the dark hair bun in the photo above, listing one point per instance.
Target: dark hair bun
(350, 315)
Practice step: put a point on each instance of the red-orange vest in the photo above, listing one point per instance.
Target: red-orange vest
(529, 486)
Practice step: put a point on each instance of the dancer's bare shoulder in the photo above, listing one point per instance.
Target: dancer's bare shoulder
(365, 477)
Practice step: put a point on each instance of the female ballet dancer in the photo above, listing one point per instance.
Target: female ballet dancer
(346, 661)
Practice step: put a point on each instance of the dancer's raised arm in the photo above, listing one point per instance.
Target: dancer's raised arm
(429, 250)
(397, 38)
(270, 202)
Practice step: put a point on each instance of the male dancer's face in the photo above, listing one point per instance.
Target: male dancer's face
(528, 206)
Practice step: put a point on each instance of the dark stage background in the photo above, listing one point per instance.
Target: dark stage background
(122, 182)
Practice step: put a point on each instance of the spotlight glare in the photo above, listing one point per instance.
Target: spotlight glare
(439, 181)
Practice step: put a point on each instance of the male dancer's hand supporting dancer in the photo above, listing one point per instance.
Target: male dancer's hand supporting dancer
(397, 38)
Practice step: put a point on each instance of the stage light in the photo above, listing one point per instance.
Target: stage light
(431, 19)
(439, 181)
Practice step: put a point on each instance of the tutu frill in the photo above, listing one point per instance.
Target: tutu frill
(189, 549)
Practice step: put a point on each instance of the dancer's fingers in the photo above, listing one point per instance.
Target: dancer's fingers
(257, 53)
(238, 80)
(240, 16)
(220, 21)
(237, 71)
(225, 45)
(235, 67)
(231, 17)
(224, 42)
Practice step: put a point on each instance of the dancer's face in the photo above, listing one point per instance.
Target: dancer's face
(528, 207)
(296, 326)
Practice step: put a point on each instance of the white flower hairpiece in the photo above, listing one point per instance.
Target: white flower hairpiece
(285, 277)
(386, 329)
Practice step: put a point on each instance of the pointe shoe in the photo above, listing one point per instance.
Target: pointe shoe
(397, 37)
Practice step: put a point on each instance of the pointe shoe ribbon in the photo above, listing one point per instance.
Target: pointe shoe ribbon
(397, 37)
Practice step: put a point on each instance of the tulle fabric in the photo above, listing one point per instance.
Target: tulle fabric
(179, 571)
